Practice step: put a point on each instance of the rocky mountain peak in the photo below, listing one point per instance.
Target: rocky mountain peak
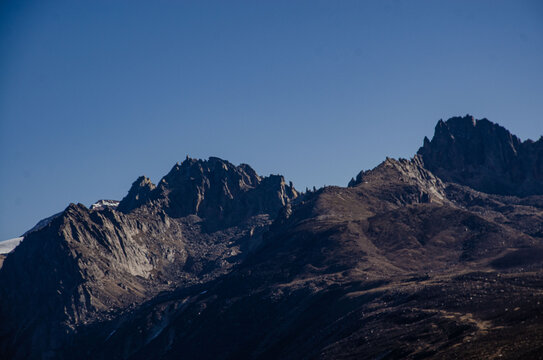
(205, 172)
(484, 156)
(213, 189)
(407, 176)
(216, 189)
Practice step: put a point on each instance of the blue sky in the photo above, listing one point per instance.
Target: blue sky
(95, 93)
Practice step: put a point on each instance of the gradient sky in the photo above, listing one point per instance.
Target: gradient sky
(95, 93)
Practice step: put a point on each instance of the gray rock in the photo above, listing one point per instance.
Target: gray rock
(485, 157)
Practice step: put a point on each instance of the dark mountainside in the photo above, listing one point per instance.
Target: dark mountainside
(437, 257)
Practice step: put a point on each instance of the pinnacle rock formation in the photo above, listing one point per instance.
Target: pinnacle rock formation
(212, 189)
(485, 157)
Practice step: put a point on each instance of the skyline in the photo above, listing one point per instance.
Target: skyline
(95, 94)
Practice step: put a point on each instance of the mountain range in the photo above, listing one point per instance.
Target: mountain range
(435, 257)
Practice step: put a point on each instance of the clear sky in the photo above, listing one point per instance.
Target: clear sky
(95, 93)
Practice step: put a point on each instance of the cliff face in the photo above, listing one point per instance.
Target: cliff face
(485, 157)
(89, 265)
(214, 190)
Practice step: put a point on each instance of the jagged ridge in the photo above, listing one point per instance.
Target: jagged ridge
(89, 265)
(401, 264)
(485, 157)
(212, 189)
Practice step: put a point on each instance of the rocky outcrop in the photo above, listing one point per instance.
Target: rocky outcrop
(214, 190)
(405, 181)
(139, 194)
(485, 157)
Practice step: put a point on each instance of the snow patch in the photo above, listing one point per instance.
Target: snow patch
(7, 246)
(102, 204)
(42, 223)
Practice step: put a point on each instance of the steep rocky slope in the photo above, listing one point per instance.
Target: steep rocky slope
(89, 265)
(422, 259)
